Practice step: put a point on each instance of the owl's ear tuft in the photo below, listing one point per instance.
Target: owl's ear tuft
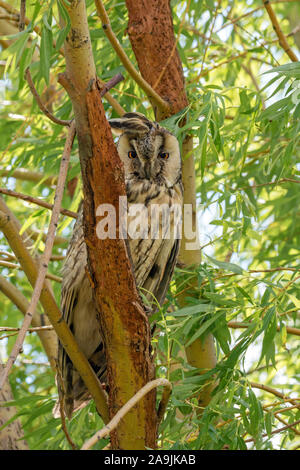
(131, 123)
(117, 126)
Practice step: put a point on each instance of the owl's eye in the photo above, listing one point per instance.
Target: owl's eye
(132, 154)
(164, 155)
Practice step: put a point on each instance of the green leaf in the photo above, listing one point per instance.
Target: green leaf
(234, 268)
(193, 309)
(46, 52)
(204, 328)
(65, 30)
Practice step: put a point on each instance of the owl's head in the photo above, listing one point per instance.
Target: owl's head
(148, 151)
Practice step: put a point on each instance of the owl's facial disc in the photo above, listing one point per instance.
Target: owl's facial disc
(152, 155)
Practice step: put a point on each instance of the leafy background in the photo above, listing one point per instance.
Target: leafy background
(245, 119)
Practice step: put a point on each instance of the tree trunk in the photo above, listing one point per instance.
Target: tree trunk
(123, 321)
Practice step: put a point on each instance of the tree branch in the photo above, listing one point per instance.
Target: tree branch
(291, 425)
(7, 264)
(128, 406)
(46, 255)
(29, 330)
(21, 24)
(289, 330)
(275, 392)
(51, 309)
(36, 201)
(48, 338)
(144, 85)
(282, 39)
(40, 103)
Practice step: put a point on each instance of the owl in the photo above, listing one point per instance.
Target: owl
(152, 169)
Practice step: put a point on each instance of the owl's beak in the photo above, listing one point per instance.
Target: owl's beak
(147, 170)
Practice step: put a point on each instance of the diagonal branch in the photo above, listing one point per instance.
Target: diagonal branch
(282, 39)
(13, 11)
(266, 388)
(41, 104)
(48, 338)
(137, 77)
(127, 407)
(46, 255)
(50, 307)
(34, 200)
(8, 264)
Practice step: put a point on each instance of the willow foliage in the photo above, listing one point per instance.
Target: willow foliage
(244, 114)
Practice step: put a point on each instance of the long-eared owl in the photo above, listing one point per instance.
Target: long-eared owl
(152, 167)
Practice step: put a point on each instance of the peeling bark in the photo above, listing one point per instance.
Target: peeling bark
(151, 33)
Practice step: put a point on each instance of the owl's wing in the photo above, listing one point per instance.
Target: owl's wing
(79, 312)
(158, 283)
(159, 277)
(72, 272)
(154, 262)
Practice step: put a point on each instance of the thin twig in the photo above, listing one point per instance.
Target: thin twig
(277, 430)
(10, 265)
(275, 392)
(282, 39)
(36, 201)
(248, 13)
(236, 325)
(40, 103)
(151, 93)
(111, 83)
(210, 35)
(12, 257)
(46, 255)
(282, 180)
(30, 330)
(124, 410)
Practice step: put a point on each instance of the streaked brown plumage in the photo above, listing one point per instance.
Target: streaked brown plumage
(152, 168)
